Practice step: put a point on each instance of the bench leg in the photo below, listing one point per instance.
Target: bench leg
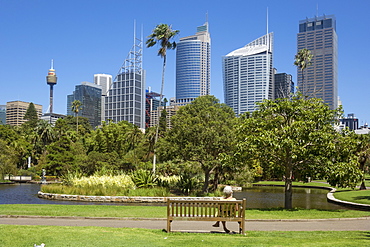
(169, 225)
(242, 227)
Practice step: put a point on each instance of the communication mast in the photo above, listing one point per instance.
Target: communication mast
(51, 80)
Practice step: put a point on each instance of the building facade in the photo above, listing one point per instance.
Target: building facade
(350, 121)
(2, 114)
(193, 66)
(125, 100)
(248, 75)
(89, 94)
(15, 111)
(320, 79)
(105, 81)
(283, 85)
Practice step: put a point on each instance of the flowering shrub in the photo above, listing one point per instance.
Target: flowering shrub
(122, 181)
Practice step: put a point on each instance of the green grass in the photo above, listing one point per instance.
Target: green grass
(357, 196)
(55, 236)
(160, 211)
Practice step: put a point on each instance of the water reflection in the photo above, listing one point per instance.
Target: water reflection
(257, 197)
(273, 197)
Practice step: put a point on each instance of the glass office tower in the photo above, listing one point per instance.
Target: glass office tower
(89, 94)
(193, 66)
(125, 100)
(320, 79)
(248, 75)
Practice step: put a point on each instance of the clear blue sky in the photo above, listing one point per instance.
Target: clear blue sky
(85, 37)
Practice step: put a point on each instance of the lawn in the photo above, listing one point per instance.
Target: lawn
(357, 196)
(160, 211)
(55, 236)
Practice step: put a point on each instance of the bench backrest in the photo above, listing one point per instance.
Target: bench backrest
(206, 208)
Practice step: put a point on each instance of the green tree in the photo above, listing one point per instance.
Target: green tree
(31, 115)
(302, 61)
(76, 107)
(200, 132)
(363, 152)
(7, 160)
(162, 34)
(296, 137)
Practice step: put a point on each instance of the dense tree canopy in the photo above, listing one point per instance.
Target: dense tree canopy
(295, 139)
(200, 132)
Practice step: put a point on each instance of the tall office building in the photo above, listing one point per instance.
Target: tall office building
(126, 98)
(105, 81)
(89, 94)
(2, 114)
(320, 80)
(193, 66)
(15, 111)
(248, 75)
(283, 85)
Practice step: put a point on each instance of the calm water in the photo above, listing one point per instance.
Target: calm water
(257, 197)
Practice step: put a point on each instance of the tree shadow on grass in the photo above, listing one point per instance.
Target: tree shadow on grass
(362, 198)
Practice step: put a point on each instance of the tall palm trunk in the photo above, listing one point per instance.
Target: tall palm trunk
(159, 113)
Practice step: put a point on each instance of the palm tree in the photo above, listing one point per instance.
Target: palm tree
(303, 60)
(162, 34)
(76, 106)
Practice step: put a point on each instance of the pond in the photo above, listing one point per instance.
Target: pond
(257, 197)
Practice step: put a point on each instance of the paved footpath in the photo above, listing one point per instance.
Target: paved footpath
(357, 224)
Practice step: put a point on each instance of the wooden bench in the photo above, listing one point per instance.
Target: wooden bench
(206, 210)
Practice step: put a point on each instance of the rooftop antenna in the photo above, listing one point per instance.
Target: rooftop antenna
(317, 10)
(267, 20)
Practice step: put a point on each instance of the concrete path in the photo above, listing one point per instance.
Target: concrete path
(357, 224)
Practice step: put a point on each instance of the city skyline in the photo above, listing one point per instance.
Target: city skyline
(83, 40)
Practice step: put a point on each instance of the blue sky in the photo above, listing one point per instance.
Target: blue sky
(86, 37)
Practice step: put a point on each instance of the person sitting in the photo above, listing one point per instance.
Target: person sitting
(228, 196)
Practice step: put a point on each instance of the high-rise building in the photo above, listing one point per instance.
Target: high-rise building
(151, 105)
(283, 85)
(125, 100)
(89, 94)
(248, 75)
(2, 114)
(320, 79)
(15, 111)
(105, 81)
(193, 66)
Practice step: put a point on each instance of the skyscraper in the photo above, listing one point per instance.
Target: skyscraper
(105, 81)
(320, 79)
(283, 85)
(126, 98)
(193, 66)
(248, 75)
(89, 94)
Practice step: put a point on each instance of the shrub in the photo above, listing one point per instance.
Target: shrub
(143, 178)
